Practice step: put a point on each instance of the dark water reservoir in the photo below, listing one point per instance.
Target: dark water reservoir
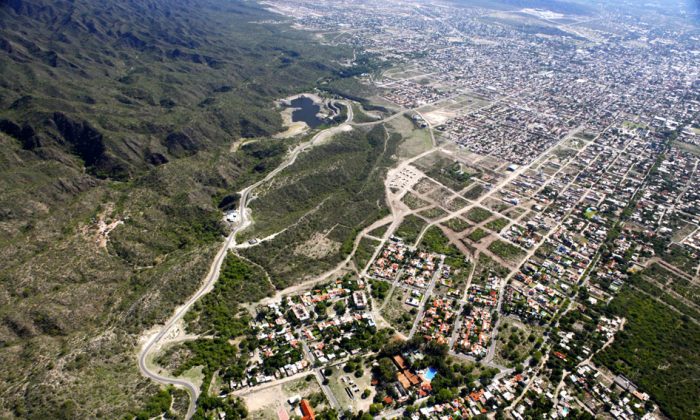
(307, 111)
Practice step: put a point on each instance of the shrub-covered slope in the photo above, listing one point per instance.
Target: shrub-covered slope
(118, 117)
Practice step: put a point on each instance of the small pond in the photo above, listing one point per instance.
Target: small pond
(306, 111)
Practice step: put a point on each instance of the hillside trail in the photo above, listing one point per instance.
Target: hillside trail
(153, 339)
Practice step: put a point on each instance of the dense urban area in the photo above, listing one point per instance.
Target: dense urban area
(540, 253)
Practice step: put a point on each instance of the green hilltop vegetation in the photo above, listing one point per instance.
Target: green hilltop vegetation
(657, 349)
(435, 240)
(410, 228)
(123, 113)
(218, 312)
(319, 204)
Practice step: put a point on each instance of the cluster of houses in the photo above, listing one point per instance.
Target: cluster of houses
(475, 335)
(415, 269)
(410, 94)
(447, 280)
(278, 354)
(306, 328)
(391, 259)
(522, 135)
(669, 205)
(474, 332)
(498, 394)
(406, 378)
(531, 181)
(525, 236)
(484, 295)
(603, 109)
(618, 395)
(438, 320)
(420, 269)
(546, 278)
(534, 304)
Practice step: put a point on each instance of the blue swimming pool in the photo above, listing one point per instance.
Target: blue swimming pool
(430, 373)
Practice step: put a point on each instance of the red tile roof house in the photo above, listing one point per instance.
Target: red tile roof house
(307, 411)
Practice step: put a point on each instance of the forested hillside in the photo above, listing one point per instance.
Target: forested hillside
(117, 117)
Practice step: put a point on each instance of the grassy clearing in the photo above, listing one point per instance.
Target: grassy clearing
(681, 229)
(416, 141)
(514, 212)
(681, 258)
(425, 186)
(516, 342)
(474, 192)
(478, 214)
(413, 201)
(364, 252)
(688, 147)
(194, 374)
(451, 173)
(631, 125)
(457, 224)
(456, 203)
(397, 313)
(433, 213)
(496, 205)
(360, 116)
(497, 224)
(506, 250)
(338, 188)
(380, 231)
(339, 388)
(410, 228)
(477, 234)
(441, 195)
(487, 267)
(435, 241)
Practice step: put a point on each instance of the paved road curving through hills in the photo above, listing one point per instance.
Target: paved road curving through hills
(215, 268)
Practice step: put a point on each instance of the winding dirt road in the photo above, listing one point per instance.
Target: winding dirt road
(152, 342)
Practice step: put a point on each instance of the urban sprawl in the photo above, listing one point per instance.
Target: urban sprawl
(564, 160)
